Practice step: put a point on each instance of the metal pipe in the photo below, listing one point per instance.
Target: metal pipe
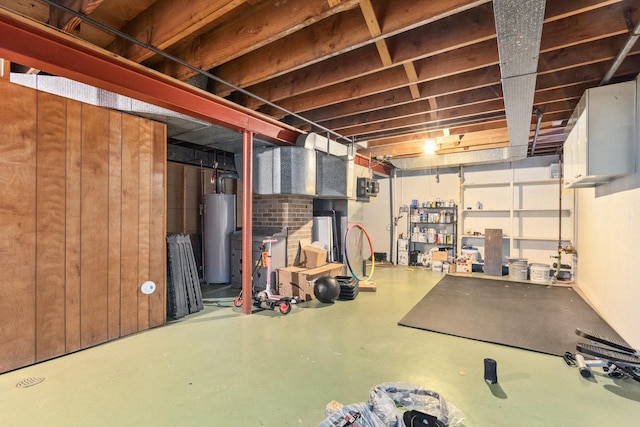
(247, 215)
(220, 180)
(392, 213)
(633, 37)
(203, 193)
(191, 67)
(559, 214)
(535, 135)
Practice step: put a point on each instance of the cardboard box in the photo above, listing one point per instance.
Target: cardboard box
(440, 255)
(298, 282)
(463, 265)
(288, 280)
(312, 257)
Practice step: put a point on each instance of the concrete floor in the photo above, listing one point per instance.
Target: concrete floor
(221, 368)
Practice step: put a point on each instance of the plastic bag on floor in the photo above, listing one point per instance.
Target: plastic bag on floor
(390, 400)
(387, 403)
(356, 415)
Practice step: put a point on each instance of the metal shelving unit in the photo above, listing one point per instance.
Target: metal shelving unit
(431, 227)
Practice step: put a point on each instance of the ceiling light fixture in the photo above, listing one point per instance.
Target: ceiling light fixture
(430, 146)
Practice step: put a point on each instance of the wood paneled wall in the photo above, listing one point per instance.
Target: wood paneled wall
(82, 225)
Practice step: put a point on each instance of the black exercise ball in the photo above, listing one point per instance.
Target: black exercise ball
(326, 289)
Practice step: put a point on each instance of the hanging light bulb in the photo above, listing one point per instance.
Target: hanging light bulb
(430, 146)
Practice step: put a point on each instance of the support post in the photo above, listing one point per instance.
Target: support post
(247, 216)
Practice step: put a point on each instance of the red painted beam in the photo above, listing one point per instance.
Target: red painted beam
(378, 168)
(32, 44)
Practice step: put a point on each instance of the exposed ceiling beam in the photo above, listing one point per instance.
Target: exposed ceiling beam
(166, 22)
(265, 23)
(337, 35)
(358, 63)
(32, 44)
(599, 51)
(407, 45)
(551, 87)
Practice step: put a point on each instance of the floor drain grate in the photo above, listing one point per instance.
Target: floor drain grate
(29, 382)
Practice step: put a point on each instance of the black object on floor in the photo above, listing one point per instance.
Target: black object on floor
(490, 371)
(524, 315)
(183, 284)
(415, 418)
(349, 288)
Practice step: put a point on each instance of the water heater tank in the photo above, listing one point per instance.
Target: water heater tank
(219, 224)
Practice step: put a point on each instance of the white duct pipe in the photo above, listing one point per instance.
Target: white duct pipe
(314, 141)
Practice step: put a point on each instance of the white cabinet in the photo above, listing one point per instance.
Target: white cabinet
(601, 139)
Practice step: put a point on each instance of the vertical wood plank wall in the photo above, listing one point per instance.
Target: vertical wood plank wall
(50, 231)
(17, 228)
(82, 225)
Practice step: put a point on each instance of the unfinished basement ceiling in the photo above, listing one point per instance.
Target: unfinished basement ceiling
(386, 74)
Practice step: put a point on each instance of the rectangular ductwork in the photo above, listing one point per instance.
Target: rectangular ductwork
(334, 166)
(519, 30)
(283, 170)
(334, 177)
(299, 171)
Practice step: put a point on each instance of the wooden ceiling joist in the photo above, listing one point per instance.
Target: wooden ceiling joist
(345, 32)
(25, 42)
(162, 25)
(386, 72)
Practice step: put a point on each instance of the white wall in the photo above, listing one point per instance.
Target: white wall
(375, 218)
(608, 244)
(407, 185)
(524, 205)
(429, 184)
(606, 236)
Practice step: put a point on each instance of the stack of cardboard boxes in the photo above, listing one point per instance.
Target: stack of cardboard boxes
(297, 280)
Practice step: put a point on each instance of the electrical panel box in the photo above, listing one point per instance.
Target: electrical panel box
(366, 188)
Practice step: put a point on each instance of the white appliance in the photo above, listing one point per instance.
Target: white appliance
(322, 232)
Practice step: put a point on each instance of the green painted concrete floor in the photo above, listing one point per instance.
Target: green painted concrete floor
(221, 368)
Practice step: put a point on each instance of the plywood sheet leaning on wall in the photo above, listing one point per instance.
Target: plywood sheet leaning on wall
(82, 225)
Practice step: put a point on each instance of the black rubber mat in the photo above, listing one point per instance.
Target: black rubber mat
(525, 315)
